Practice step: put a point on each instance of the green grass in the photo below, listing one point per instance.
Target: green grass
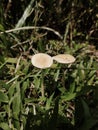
(71, 91)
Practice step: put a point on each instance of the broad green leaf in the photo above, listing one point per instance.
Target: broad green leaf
(11, 60)
(4, 126)
(86, 109)
(68, 96)
(89, 122)
(3, 97)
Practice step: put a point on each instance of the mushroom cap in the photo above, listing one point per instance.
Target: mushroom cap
(64, 58)
(41, 60)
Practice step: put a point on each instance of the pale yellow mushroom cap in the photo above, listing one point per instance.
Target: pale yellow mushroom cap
(64, 58)
(42, 60)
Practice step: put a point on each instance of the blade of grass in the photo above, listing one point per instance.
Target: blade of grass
(26, 14)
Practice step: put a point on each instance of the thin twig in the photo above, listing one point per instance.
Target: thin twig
(33, 27)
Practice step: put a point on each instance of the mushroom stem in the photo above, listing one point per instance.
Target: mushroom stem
(42, 84)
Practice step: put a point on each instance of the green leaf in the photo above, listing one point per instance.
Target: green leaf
(1, 66)
(86, 109)
(25, 70)
(24, 87)
(68, 96)
(4, 126)
(37, 82)
(83, 117)
(3, 85)
(91, 77)
(1, 28)
(48, 103)
(11, 60)
(72, 87)
(3, 97)
(16, 106)
(11, 91)
(56, 76)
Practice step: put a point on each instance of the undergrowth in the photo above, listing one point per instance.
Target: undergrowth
(71, 91)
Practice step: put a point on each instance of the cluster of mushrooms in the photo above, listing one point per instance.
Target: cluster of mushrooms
(43, 61)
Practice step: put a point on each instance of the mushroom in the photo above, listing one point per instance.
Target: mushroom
(64, 58)
(41, 60)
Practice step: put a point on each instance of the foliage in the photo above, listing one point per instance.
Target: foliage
(71, 91)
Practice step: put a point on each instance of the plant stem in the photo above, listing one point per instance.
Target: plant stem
(42, 84)
(9, 116)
